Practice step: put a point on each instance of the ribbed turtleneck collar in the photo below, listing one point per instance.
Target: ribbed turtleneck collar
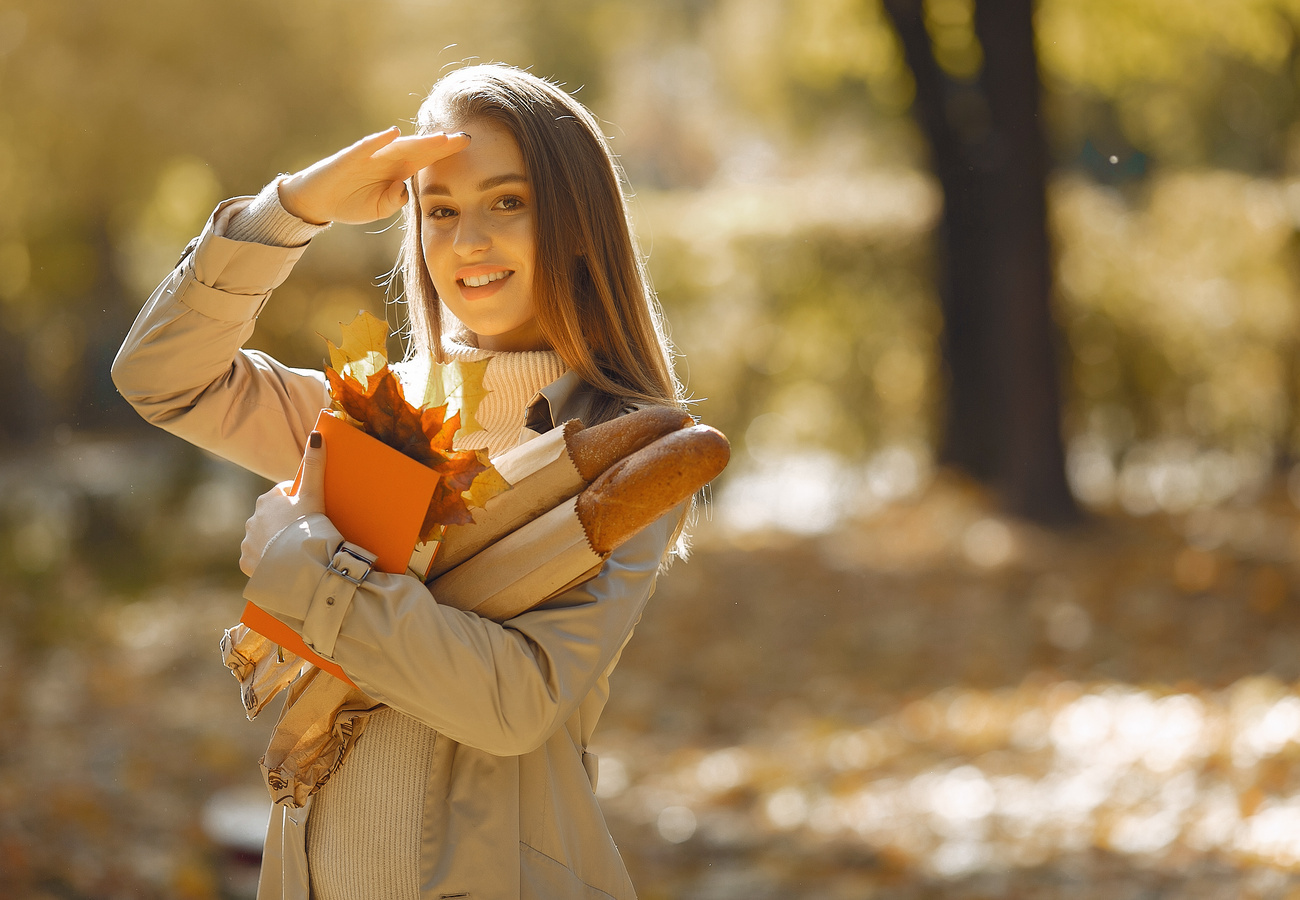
(512, 380)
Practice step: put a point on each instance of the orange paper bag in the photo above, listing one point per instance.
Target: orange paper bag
(376, 497)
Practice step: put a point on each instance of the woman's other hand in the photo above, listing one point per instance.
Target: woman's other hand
(277, 508)
(366, 181)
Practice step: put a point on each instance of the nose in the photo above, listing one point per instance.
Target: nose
(473, 234)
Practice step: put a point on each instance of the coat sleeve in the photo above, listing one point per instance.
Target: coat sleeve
(500, 688)
(183, 368)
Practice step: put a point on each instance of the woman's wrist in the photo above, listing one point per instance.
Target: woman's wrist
(266, 221)
(287, 191)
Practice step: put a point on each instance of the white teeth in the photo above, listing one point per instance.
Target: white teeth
(480, 280)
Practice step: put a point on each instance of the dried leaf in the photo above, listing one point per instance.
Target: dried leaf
(365, 347)
(364, 335)
(338, 359)
(423, 378)
(469, 393)
(360, 368)
(371, 396)
(424, 435)
(368, 365)
(487, 485)
(446, 508)
(457, 385)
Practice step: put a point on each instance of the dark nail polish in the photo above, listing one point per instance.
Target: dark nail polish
(314, 440)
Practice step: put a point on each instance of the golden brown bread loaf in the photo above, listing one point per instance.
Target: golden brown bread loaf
(640, 488)
(567, 545)
(544, 472)
(595, 449)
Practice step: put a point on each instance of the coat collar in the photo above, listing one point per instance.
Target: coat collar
(567, 397)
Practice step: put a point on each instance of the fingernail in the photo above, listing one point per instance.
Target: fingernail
(315, 440)
(459, 134)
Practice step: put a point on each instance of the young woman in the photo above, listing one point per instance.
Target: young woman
(472, 778)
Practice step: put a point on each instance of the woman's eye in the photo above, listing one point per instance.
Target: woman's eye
(509, 203)
(441, 212)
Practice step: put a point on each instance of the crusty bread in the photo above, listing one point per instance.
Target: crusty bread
(640, 488)
(546, 471)
(595, 449)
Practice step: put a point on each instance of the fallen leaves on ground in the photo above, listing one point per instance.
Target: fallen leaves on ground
(933, 702)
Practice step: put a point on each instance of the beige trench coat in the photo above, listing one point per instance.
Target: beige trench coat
(510, 810)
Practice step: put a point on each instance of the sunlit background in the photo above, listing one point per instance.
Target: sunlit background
(870, 681)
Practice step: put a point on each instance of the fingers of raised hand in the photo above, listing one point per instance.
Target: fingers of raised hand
(373, 142)
(410, 154)
(356, 185)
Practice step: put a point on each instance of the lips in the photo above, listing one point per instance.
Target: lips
(481, 280)
(478, 282)
(481, 274)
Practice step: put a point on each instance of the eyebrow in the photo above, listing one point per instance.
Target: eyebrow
(486, 184)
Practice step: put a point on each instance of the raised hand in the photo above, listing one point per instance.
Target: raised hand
(366, 181)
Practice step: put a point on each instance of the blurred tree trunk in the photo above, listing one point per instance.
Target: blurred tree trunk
(1003, 417)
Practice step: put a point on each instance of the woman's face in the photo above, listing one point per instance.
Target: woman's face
(479, 238)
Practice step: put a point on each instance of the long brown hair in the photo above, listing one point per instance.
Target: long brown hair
(595, 307)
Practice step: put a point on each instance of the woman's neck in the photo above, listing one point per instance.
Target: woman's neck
(526, 337)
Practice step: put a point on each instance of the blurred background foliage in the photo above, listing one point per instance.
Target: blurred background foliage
(782, 193)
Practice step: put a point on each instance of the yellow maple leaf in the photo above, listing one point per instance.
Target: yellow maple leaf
(364, 335)
(469, 393)
(370, 364)
(458, 384)
(424, 379)
(486, 485)
(338, 359)
(364, 350)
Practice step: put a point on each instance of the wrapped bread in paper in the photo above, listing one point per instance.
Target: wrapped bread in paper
(548, 470)
(570, 542)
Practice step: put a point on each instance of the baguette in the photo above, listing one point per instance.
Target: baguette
(547, 471)
(568, 544)
(595, 449)
(640, 488)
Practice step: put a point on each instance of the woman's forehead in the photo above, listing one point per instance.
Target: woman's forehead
(492, 157)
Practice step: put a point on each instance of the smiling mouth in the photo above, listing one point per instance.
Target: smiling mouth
(481, 280)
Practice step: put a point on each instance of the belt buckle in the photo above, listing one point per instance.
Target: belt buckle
(345, 572)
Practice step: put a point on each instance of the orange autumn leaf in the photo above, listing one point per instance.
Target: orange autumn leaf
(448, 506)
(425, 435)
